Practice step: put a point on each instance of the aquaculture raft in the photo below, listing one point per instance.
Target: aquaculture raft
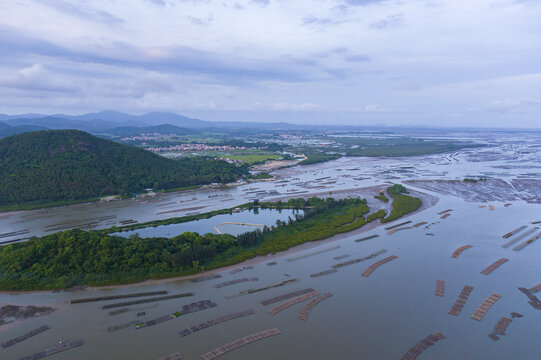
(234, 271)
(61, 346)
(373, 267)
(440, 288)
(275, 310)
(461, 301)
(528, 242)
(240, 342)
(354, 261)
(134, 302)
(397, 225)
(236, 281)
(390, 232)
(534, 301)
(519, 237)
(186, 309)
(303, 314)
(173, 356)
(459, 251)
(213, 322)
(206, 278)
(511, 233)
(494, 266)
(485, 306)
(116, 297)
(286, 296)
(500, 328)
(422, 346)
(367, 238)
(24, 337)
(323, 273)
(535, 289)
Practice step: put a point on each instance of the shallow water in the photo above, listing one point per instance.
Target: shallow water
(379, 317)
(262, 217)
(506, 157)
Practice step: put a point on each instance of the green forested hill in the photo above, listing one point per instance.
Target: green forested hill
(71, 165)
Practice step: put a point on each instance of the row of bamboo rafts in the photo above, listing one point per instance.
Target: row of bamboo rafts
(390, 232)
(283, 297)
(536, 288)
(214, 322)
(500, 328)
(482, 309)
(282, 306)
(496, 264)
(422, 346)
(374, 266)
(440, 288)
(235, 281)
(173, 356)
(303, 314)
(444, 211)
(461, 301)
(459, 251)
(444, 216)
(420, 224)
(240, 342)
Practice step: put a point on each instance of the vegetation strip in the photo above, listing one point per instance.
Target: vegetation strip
(114, 297)
(422, 346)
(134, 302)
(354, 261)
(214, 322)
(26, 336)
(240, 342)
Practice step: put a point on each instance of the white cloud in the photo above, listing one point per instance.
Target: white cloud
(426, 58)
(507, 105)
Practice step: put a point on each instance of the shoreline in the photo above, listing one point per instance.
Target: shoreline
(428, 201)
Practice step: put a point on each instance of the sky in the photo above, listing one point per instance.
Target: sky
(357, 62)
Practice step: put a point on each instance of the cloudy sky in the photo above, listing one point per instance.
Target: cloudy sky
(413, 62)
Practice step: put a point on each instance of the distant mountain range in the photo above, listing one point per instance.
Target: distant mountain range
(113, 122)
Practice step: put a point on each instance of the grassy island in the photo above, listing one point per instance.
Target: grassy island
(77, 257)
(402, 204)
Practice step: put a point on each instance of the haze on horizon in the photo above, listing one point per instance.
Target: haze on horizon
(359, 62)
